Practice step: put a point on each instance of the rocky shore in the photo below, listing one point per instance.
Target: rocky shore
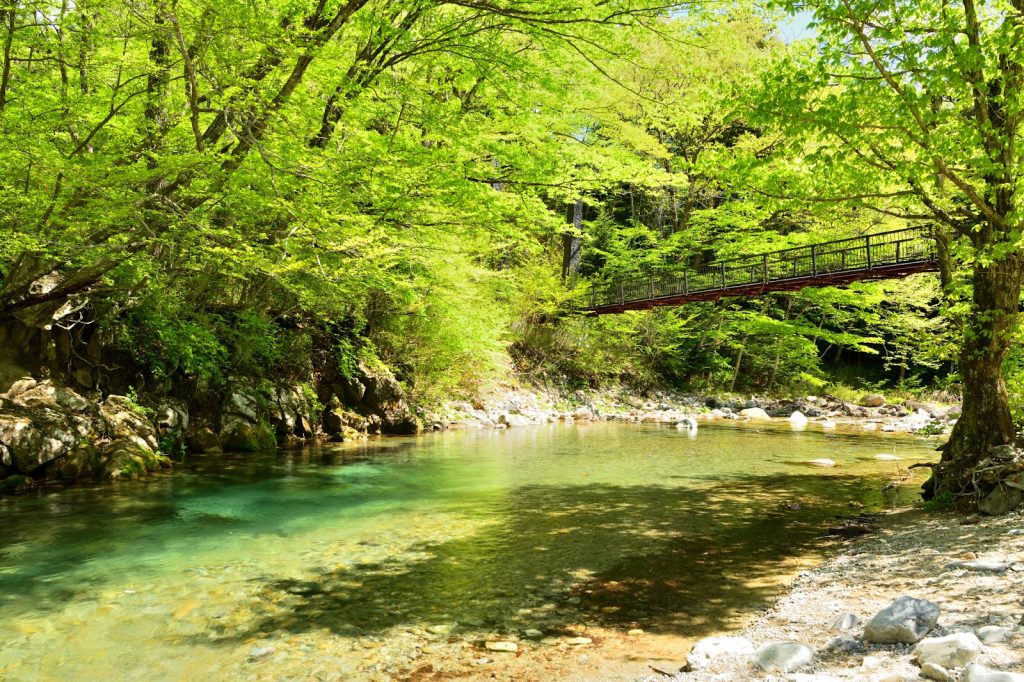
(522, 408)
(926, 597)
(50, 430)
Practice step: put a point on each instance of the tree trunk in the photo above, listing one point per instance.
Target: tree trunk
(985, 421)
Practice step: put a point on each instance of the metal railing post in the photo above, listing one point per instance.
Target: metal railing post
(814, 261)
(652, 286)
(686, 282)
(723, 275)
(622, 291)
(765, 265)
(867, 248)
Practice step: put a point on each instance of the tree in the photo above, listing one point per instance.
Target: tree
(913, 110)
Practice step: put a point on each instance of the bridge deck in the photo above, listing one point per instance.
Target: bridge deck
(884, 255)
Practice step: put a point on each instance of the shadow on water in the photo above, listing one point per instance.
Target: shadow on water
(669, 560)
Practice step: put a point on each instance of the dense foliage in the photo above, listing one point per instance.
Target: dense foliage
(220, 188)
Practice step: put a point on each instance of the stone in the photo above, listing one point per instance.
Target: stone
(872, 400)
(15, 484)
(798, 417)
(845, 643)
(990, 634)
(583, 414)
(888, 458)
(1000, 501)
(260, 652)
(906, 620)
(635, 632)
(936, 672)
(442, 629)
(205, 441)
(823, 462)
(244, 404)
(129, 458)
(509, 419)
(979, 673)
(980, 566)
(1015, 480)
(243, 436)
(170, 415)
(845, 621)
(951, 651)
(510, 647)
(783, 657)
(533, 633)
(754, 413)
(710, 649)
(578, 641)
(34, 437)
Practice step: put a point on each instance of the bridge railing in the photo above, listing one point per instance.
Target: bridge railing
(856, 254)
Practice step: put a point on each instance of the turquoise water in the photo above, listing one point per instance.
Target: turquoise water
(240, 566)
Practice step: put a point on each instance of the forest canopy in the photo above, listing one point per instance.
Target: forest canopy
(220, 187)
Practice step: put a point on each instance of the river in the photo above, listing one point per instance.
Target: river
(399, 558)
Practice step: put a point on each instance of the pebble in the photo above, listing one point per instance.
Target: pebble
(845, 621)
(510, 647)
(822, 462)
(578, 641)
(992, 633)
(260, 652)
(980, 565)
(979, 673)
(635, 632)
(533, 633)
(936, 672)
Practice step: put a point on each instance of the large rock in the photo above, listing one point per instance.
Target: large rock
(1000, 501)
(130, 458)
(170, 416)
(244, 436)
(509, 419)
(384, 397)
(951, 651)
(711, 649)
(754, 413)
(32, 438)
(338, 420)
(906, 620)
(979, 673)
(205, 441)
(123, 418)
(872, 400)
(783, 657)
(798, 418)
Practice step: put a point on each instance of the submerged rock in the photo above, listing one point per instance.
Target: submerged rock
(906, 620)
(510, 647)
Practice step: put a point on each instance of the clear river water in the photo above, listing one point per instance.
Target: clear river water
(400, 558)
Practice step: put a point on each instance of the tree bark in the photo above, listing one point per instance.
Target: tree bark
(985, 421)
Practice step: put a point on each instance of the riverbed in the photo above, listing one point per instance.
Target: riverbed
(595, 551)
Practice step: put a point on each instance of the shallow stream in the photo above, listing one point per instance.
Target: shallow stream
(397, 559)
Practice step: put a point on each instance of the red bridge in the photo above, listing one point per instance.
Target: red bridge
(884, 255)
